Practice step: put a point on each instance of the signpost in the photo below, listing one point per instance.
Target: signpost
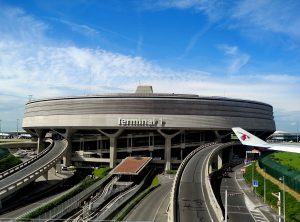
(255, 183)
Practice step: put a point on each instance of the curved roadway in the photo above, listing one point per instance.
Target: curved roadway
(58, 148)
(193, 201)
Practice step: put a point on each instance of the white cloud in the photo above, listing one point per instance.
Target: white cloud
(234, 58)
(45, 68)
(279, 16)
(260, 15)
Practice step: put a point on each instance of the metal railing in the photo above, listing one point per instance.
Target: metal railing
(26, 179)
(175, 188)
(24, 164)
(72, 203)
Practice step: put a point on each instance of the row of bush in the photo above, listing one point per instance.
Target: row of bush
(292, 205)
(3, 152)
(87, 182)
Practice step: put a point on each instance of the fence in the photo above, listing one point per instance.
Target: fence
(291, 177)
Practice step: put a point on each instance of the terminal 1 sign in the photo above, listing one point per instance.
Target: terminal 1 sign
(144, 122)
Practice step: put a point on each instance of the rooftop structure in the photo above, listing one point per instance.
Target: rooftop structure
(131, 165)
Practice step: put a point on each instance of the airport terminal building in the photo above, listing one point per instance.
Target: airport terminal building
(104, 129)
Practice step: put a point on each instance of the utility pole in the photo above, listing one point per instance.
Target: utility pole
(265, 185)
(252, 176)
(17, 127)
(283, 196)
(278, 205)
(297, 131)
(226, 212)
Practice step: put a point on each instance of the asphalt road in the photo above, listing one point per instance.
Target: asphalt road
(154, 206)
(192, 196)
(54, 152)
(237, 209)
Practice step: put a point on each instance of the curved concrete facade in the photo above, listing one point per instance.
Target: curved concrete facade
(149, 113)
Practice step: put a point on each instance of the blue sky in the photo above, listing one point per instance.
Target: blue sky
(241, 49)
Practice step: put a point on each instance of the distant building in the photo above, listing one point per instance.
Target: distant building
(281, 136)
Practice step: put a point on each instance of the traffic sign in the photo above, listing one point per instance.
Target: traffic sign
(255, 183)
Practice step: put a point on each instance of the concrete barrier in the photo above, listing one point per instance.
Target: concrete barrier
(24, 164)
(26, 179)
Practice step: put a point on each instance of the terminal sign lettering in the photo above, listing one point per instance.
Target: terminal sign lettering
(141, 122)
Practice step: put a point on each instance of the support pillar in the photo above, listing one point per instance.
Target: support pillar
(209, 169)
(68, 154)
(40, 144)
(112, 146)
(219, 161)
(168, 145)
(112, 152)
(168, 152)
(46, 175)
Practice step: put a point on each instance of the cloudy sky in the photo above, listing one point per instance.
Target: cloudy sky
(241, 49)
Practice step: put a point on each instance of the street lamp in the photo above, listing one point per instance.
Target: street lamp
(278, 205)
(283, 184)
(17, 128)
(297, 131)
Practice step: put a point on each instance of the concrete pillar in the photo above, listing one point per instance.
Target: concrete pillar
(40, 144)
(112, 146)
(112, 151)
(168, 152)
(168, 145)
(68, 154)
(210, 168)
(46, 175)
(219, 161)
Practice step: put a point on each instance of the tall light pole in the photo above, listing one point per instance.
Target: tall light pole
(297, 131)
(226, 212)
(17, 127)
(278, 205)
(283, 196)
(265, 185)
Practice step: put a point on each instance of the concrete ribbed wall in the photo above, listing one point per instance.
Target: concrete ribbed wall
(178, 111)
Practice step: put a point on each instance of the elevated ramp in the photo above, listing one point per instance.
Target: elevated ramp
(31, 172)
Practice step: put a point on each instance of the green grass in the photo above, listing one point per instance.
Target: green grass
(155, 181)
(292, 205)
(171, 171)
(7, 160)
(291, 160)
(101, 172)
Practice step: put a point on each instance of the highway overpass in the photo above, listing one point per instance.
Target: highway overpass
(28, 173)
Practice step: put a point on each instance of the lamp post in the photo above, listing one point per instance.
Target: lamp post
(297, 131)
(17, 128)
(278, 205)
(265, 188)
(283, 196)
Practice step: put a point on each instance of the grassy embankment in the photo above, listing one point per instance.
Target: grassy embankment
(123, 213)
(292, 205)
(291, 160)
(87, 182)
(7, 160)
